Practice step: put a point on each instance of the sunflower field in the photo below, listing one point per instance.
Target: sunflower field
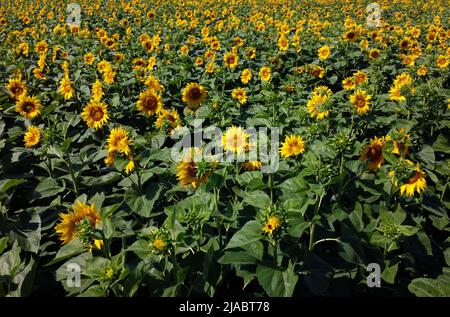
(224, 148)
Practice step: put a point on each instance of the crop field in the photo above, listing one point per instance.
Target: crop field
(278, 148)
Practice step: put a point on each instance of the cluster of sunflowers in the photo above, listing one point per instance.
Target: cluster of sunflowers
(93, 99)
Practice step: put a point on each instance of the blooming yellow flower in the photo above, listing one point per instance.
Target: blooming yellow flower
(293, 145)
(324, 52)
(32, 136)
(265, 73)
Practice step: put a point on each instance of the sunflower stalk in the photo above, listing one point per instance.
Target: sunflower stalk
(312, 226)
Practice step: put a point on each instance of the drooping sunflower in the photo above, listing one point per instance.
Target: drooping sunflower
(188, 168)
(16, 88)
(95, 114)
(324, 52)
(32, 136)
(374, 153)
(235, 140)
(230, 59)
(194, 94)
(316, 106)
(28, 106)
(97, 90)
(246, 76)
(415, 184)
(77, 221)
(361, 100)
(65, 88)
(149, 102)
(119, 141)
(169, 118)
(293, 145)
(265, 73)
(240, 94)
(252, 165)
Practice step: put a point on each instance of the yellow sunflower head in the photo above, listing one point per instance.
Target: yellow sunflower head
(361, 101)
(246, 76)
(240, 94)
(271, 225)
(95, 114)
(293, 145)
(16, 88)
(118, 141)
(317, 106)
(149, 102)
(194, 94)
(76, 222)
(324, 52)
(374, 153)
(28, 106)
(265, 73)
(235, 140)
(230, 59)
(32, 136)
(65, 88)
(252, 165)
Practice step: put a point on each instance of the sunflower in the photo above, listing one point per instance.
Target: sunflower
(129, 167)
(77, 222)
(32, 136)
(235, 140)
(108, 76)
(422, 71)
(252, 165)
(350, 36)
(374, 53)
(442, 61)
(349, 83)
(395, 93)
(250, 53)
(118, 141)
(89, 58)
(265, 73)
(271, 225)
(283, 43)
(374, 153)
(153, 83)
(16, 88)
(315, 106)
(28, 106)
(97, 90)
(240, 94)
(230, 59)
(415, 184)
(246, 76)
(361, 101)
(171, 118)
(65, 88)
(187, 169)
(95, 114)
(194, 94)
(149, 102)
(293, 145)
(360, 77)
(324, 52)
(403, 80)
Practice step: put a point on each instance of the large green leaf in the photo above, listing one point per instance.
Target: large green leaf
(276, 282)
(142, 204)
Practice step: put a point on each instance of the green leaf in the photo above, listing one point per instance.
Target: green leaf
(238, 257)
(427, 155)
(247, 238)
(143, 204)
(68, 250)
(389, 273)
(427, 287)
(275, 282)
(258, 199)
(3, 244)
(47, 188)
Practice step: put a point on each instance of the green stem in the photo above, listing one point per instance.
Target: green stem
(50, 167)
(271, 186)
(72, 175)
(312, 226)
(326, 239)
(275, 253)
